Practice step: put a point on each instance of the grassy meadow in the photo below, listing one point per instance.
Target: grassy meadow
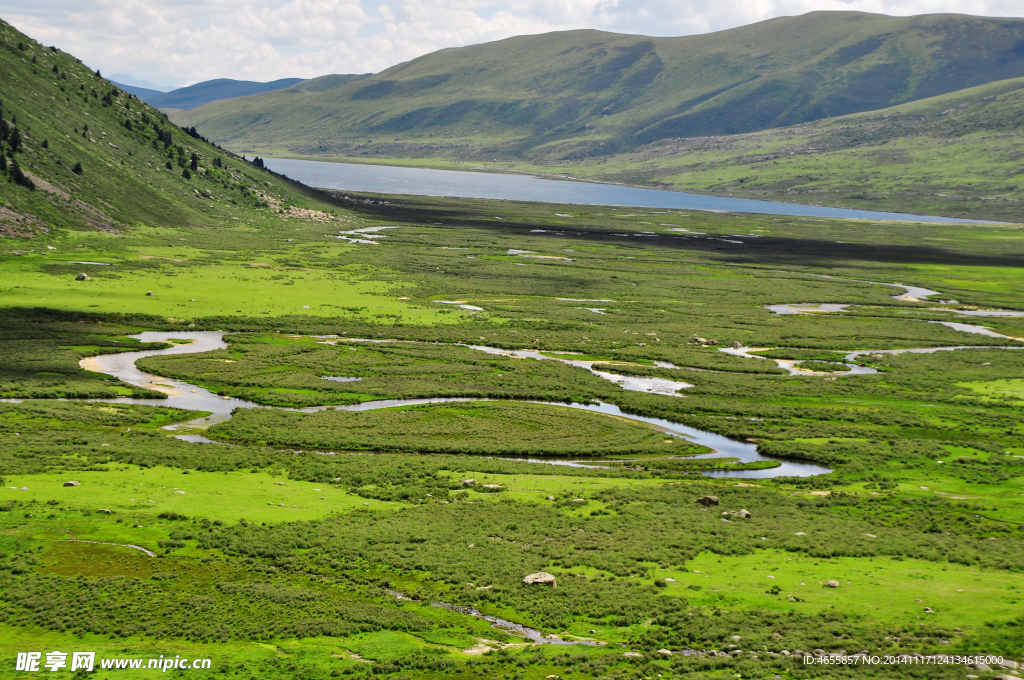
(283, 550)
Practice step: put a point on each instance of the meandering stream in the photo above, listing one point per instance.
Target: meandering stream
(184, 395)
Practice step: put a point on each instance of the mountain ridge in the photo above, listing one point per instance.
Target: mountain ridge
(594, 94)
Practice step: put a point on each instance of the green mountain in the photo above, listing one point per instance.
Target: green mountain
(80, 153)
(215, 90)
(581, 94)
(957, 154)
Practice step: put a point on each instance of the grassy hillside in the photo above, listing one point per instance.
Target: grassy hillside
(955, 155)
(81, 154)
(582, 94)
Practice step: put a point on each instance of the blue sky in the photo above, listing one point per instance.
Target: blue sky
(179, 42)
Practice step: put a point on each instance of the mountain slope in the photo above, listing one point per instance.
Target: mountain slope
(214, 90)
(78, 153)
(957, 154)
(587, 93)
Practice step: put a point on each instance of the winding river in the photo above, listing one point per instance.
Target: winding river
(184, 395)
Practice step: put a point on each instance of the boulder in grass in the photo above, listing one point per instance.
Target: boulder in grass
(633, 655)
(82, 277)
(708, 500)
(665, 652)
(541, 578)
(104, 511)
(468, 482)
(72, 483)
(832, 583)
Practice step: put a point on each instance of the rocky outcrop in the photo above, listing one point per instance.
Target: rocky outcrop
(541, 578)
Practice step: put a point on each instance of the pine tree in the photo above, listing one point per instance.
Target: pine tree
(15, 141)
(46, 144)
(19, 177)
(77, 169)
(186, 174)
(195, 163)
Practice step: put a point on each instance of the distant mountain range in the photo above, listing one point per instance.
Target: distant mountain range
(585, 94)
(206, 92)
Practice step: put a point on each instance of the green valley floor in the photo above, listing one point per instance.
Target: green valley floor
(301, 537)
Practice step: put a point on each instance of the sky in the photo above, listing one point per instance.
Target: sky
(181, 42)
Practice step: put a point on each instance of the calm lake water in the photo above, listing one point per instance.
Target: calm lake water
(514, 187)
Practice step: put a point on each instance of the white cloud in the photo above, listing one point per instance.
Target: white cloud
(186, 41)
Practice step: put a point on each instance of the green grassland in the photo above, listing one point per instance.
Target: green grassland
(277, 560)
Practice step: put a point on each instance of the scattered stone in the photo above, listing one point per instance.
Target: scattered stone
(669, 580)
(104, 511)
(82, 277)
(736, 638)
(493, 487)
(468, 482)
(1009, 664)
(633, 655)
(979, 666)
(181, 492)
(929, 610)
(149, 293)
(708, 500)
(737, 344)
(832, 583)
(818, 652)
(871, 536)
(799, 533)
(72, 483)
(551, 498)
(540, 578)
(665, 652)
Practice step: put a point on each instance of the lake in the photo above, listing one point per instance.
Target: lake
(384, 179)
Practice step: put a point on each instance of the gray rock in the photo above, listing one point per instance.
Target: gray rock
(541, 578)
(82, 277)
(468, 482)
(832, 583)
(708, 500)
(72, 483)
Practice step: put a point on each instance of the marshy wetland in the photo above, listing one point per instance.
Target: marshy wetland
(382, 443)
